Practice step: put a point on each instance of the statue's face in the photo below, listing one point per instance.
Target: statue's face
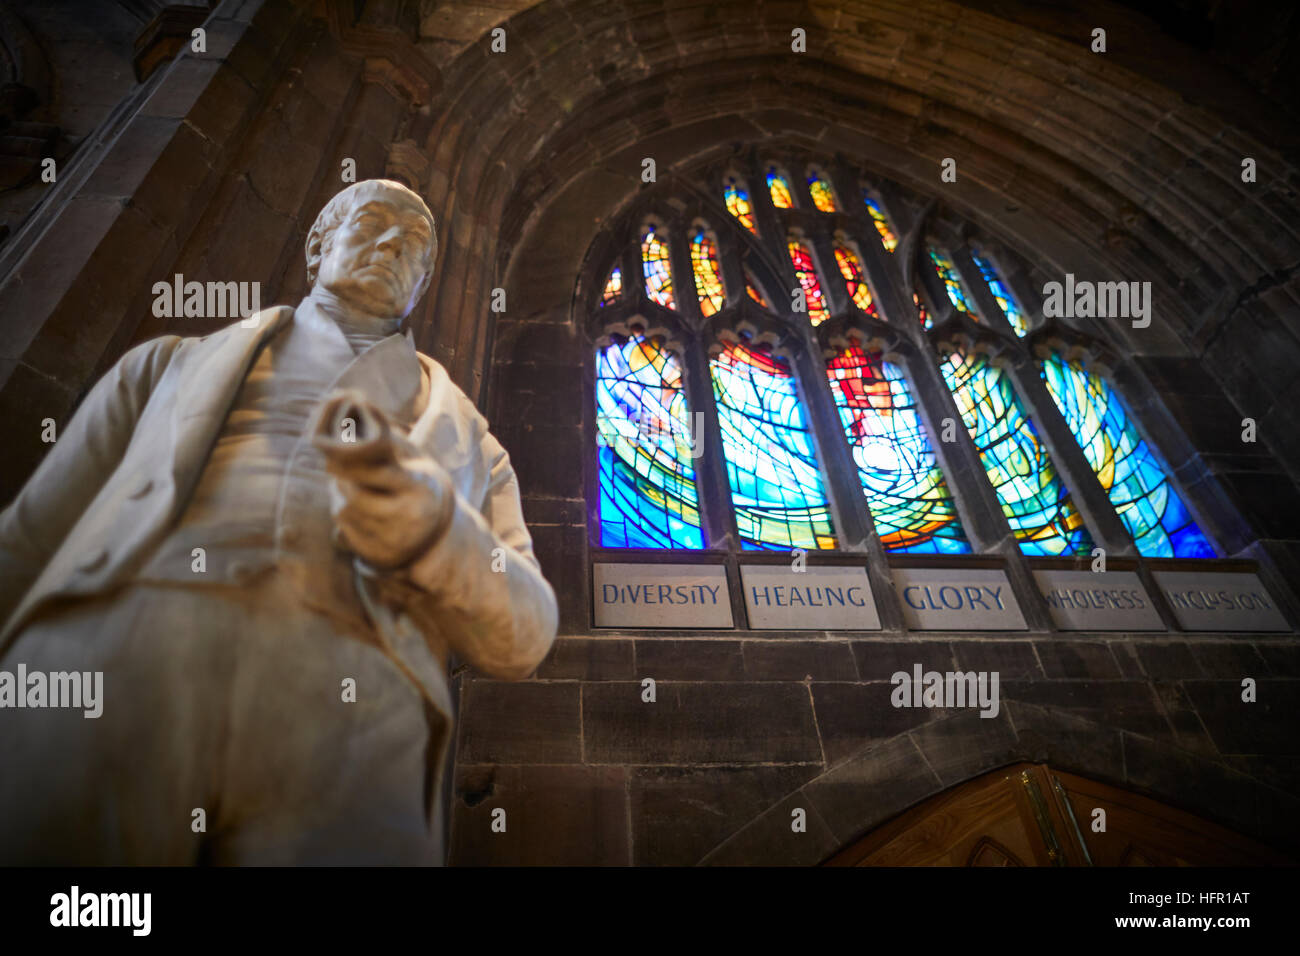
(378, 257)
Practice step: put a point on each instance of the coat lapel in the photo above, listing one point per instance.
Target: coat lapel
(204, 399)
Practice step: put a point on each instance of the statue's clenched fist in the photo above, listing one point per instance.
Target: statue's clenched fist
(390, 503)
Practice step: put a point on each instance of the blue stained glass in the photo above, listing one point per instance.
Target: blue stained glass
(776, 484)
(1033, 497)
(1015, 318)
(1124, 463)
(910, 503)
(648, 495)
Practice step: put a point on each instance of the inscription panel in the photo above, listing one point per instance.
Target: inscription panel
(1104, 601)
(825, 598)
(661, 595)
(1220, 601)
(943, 599)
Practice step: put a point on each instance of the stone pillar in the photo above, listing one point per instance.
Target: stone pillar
(88, 270)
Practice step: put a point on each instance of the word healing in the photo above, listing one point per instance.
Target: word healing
(56, 689)
(808, 596)
(953, 689)
(102, 909)
(1085, 300)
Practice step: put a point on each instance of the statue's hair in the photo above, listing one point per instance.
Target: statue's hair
(338, 208)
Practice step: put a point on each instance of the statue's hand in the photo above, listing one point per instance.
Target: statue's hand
(389, 513)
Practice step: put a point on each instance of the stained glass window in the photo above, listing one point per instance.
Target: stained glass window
(648, 496)
(951, 281)
(1003, 295)
(909, 500)
(1124, 464)
(823, 196)
(1033, 497)
(854, 280)
(776, 484)
(779, 188)
(887, 237)
(736, 196)
(613, 286)
(708, 277)
(658, 275)
(922, 312)
(751, 286)
(801, 258)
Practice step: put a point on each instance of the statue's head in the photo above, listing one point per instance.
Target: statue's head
(373, 246)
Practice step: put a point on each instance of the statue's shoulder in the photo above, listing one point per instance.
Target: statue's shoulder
(444, 390)
(257, 325)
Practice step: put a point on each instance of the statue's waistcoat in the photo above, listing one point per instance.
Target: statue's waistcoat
(262, 499)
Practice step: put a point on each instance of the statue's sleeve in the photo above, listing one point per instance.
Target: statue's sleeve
(485, 590)
(85, 453)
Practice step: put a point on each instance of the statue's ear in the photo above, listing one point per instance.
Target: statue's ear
(313, 256)
(424, 284)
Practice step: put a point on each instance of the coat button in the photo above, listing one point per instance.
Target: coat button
(93, 562)
(143, 489)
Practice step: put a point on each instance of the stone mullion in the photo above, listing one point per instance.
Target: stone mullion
(772, 232)
(1108, 531)
(941, 307)
(685, 294)
(985, 304)
(834, 291)
(1091, 499)
(717, 518)
(854, 527)
(893, 299)
(800, 191)
(985, 523)
(733, 273)
(981, 513)
(881, 281)
(1022, 289)
(633, 274)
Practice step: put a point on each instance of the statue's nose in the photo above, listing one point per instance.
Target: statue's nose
(391, 241)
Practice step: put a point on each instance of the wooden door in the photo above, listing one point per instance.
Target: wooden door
(1032, 815)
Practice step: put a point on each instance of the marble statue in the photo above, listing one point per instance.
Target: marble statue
(262, 546)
